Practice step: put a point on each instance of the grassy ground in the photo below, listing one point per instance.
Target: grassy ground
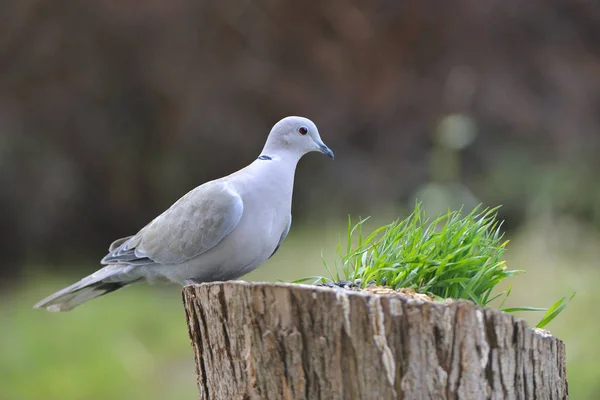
(133, 344)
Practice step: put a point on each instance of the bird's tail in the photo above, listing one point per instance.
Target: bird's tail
(105, 280)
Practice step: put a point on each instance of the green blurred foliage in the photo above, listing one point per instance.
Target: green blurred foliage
(130, 346)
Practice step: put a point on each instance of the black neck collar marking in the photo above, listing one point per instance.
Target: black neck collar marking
(265, 157)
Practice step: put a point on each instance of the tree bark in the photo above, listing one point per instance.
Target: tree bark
(283, 341)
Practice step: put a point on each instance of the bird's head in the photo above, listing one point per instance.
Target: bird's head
(297, 135)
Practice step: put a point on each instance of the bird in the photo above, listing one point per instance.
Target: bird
(218, 231)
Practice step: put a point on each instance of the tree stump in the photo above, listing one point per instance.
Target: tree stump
(284, 341)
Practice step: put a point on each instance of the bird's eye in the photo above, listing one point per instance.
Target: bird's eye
(303, 130)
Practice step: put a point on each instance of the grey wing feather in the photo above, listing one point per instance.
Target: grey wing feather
(283, 236)
(118, 243)
(193, 225)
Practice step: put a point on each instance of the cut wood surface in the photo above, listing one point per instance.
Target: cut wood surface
(285, 341)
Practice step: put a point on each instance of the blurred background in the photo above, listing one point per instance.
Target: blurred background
(111, 110)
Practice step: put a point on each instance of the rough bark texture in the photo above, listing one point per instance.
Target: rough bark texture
(281, 341)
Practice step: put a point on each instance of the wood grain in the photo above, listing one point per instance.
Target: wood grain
(284, 341)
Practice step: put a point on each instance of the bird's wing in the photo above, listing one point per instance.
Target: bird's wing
(193, 225)
(283, 235)
(118, 242)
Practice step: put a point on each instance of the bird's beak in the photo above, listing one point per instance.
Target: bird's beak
(325, 150)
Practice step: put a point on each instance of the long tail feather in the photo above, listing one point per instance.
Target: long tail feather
(99, 283)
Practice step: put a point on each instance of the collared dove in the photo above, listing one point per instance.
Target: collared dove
(220, 230)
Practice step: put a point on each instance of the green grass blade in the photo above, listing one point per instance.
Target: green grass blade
(553, 311)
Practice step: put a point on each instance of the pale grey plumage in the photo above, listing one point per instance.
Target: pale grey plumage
(194, 224)
(218, 231)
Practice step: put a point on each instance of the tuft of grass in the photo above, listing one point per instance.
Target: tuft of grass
(456, 256)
